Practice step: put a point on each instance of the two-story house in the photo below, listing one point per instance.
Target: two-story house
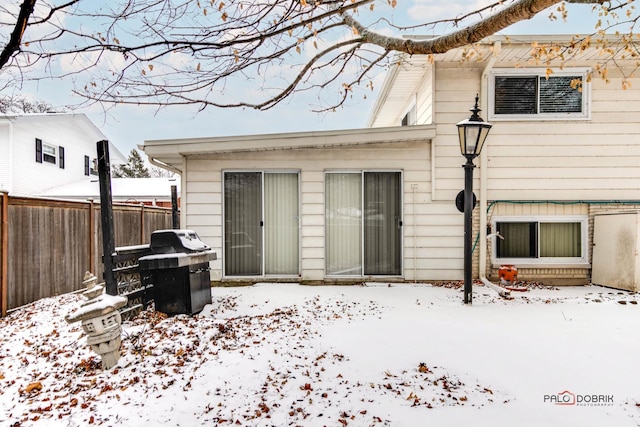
(40, 151)
(379, 203)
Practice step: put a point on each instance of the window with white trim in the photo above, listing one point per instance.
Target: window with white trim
(363, 223)
(541, 240)
(523, 94)
(49, 153)
(261, 223)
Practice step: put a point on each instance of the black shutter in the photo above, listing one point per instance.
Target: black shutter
(38, 150)
(61, 157)
(87, 171)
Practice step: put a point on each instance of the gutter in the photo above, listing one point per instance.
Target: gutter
(484, 164)
(159, 163)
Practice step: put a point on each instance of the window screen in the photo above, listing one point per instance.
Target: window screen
(536, 95)
(539, 240)
(557, 95)
(516, 95)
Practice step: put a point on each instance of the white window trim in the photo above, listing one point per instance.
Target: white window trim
(541, 72)
(55, 153)
(581, 261)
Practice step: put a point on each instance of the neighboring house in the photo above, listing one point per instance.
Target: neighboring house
(378, 203)
(146, 191)
(39, 151)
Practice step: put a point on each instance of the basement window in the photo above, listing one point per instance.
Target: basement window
(550, 240)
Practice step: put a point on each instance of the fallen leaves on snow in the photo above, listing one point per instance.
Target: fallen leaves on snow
(48, 373)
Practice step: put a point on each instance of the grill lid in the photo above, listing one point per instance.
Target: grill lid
(176, 241)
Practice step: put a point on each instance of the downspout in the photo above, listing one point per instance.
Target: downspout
(183, 186)
(182, 175)
(484, 162)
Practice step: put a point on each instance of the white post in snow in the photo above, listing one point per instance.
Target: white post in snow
(100, 320)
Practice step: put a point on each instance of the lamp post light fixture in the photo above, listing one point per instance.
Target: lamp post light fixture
(472, 133)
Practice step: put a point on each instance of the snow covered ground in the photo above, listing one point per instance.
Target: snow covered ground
(374, 355)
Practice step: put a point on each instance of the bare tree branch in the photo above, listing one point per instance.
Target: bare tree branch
(13, 45)
(179, 52)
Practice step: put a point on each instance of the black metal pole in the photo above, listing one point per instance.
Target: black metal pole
(175, 222)
(468, 229)
(106, 216)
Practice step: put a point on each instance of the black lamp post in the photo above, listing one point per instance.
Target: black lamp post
(472, 133)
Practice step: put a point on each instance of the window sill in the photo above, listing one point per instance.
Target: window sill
(539, 118)
(529, 264)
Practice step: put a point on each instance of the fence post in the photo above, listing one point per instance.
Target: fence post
(142, 223)
(106, 214)
(4, 253)
(92, 236)
(175, 222)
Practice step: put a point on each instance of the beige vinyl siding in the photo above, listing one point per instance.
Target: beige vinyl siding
(592, 159)
(202, 206)
(455, 90)
(438, 251)
(424, 98)
(571, 160)
(437, 227)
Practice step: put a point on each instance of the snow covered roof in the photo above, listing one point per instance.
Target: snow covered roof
(122, 189)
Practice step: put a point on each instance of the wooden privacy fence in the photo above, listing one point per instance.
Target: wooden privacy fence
(46, 246)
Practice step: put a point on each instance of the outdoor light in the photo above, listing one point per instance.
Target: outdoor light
(472, 133)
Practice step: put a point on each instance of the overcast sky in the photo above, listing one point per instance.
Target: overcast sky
(128, 126)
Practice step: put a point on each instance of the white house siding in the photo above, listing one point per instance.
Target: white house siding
(432, 231)
(424, 98)
(74, 132)
(5, 156)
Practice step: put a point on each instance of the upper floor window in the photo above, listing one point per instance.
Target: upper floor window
(532, 94)
(90, 166)
(49, 153)
(410, 118)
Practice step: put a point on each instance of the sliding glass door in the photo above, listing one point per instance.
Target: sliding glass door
(281, 225)
(261, 231)
(363, 223)
(382, 223)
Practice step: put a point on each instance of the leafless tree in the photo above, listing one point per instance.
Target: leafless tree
(157, 172)
(176, 52)
(19, 104)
